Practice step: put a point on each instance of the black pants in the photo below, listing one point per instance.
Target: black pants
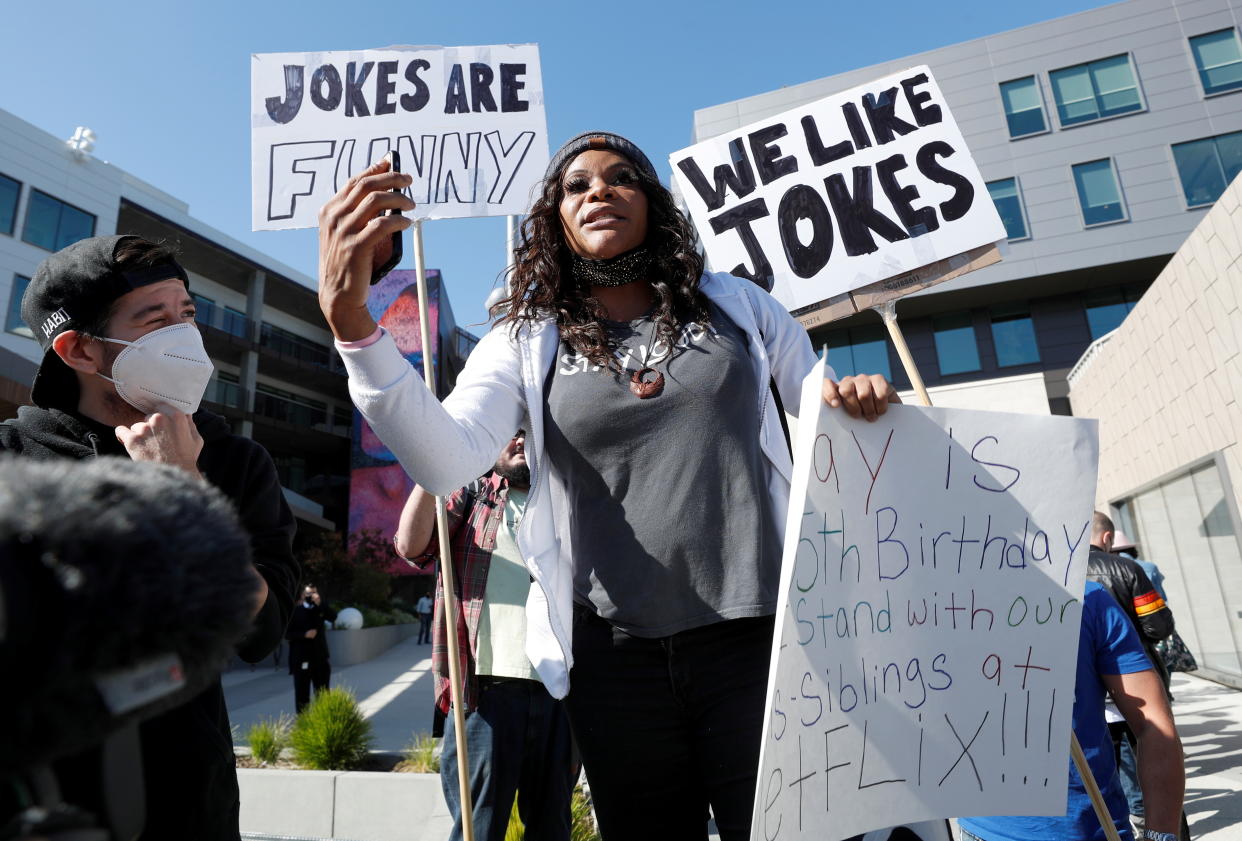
(316, 673)
(669, 726)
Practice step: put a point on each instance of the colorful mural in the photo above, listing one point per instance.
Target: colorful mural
(378, 486)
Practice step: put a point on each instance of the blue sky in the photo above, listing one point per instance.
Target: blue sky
(165, 85)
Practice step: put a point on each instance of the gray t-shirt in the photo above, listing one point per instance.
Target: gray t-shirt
(671, 525)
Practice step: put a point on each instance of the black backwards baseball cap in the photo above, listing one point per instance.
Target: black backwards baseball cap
(71, 290)
(599, 140)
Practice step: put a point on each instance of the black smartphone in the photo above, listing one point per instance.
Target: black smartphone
(377, 274)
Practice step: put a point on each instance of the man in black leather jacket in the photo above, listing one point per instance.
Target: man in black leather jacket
(1132, 589)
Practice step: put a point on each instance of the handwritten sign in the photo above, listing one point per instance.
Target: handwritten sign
(468, 123)
(926, 639)
(841, 193)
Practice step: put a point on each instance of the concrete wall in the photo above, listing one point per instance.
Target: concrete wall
(1166, 387)
(339, 804)
(345, 648)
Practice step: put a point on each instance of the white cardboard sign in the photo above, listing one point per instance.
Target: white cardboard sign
(925, 652)
(468, 123)
(838, 194)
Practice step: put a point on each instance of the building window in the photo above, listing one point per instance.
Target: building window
(225, 390)
(204, 309)
(13, 318)
(956, 348)
(10, 190)
(1107, 308)
(859, 350)
(1208, 166)
(1093, 91)
(291, 344)
(1024, 107)
(235, 323)
(1099, 195)
(1009, 204)
(291, 408)
(1218, 58)
(1013, 334)
(53, 224)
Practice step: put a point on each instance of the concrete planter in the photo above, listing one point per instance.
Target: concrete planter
(345, 648)
(361, 805)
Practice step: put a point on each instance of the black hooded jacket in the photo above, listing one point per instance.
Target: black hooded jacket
(189, 767)
(1137, 596)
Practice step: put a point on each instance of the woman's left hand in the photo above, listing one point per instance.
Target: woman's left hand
(862, 395)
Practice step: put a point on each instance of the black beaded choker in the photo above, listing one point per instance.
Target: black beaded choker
(614, 271)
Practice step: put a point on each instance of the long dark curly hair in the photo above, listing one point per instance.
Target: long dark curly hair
(542, 281)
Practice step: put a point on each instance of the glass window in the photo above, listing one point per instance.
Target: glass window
(291, 344)
(1024, 107)
(13, 318)
(1099, 195)
(234, 322)
(1207, 166)
(1013, 333)
(53, 224)
(1009, 204)
(1107, 308)
(956, 348)
(9, 192)
(1218, 58)
(1096, 90)
(859, 350)
(204, 309)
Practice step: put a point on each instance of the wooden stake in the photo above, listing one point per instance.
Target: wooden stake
(888, 311)
(446, 561)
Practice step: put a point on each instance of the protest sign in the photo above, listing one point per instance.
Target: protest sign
(468, 123)
(924, 659)
(839, 194)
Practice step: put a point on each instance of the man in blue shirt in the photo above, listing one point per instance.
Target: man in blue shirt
(1110, 658)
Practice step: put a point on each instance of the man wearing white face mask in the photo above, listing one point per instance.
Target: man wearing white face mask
(123, 373)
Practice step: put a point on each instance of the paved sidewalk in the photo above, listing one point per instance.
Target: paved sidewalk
(394, 691)
(1209, 719)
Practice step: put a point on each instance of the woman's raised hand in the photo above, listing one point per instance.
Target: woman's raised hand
(354, 237)
(862, 395)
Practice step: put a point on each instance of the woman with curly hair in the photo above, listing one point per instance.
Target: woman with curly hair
(659, 471)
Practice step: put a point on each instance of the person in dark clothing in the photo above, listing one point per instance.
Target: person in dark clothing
(122, 375)
(1151, 617)
(308, 646)
(1132, 589)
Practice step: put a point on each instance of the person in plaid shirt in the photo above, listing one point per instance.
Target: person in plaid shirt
(517, 734)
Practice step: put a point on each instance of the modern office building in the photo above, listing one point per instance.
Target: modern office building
(278, 379)
(1104, 137)
(1166, 387)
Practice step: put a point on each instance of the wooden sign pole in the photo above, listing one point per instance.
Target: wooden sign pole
(446, 561)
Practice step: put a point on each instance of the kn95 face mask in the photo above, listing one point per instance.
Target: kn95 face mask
(167, 369)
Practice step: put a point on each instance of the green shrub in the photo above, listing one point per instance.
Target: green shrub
(581, 821)
(401, 617)
(372, 618)
(268, 737)
(421, 754)
(330, 734)
(515, 831)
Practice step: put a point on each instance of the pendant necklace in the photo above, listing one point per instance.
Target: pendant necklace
(644, 389)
